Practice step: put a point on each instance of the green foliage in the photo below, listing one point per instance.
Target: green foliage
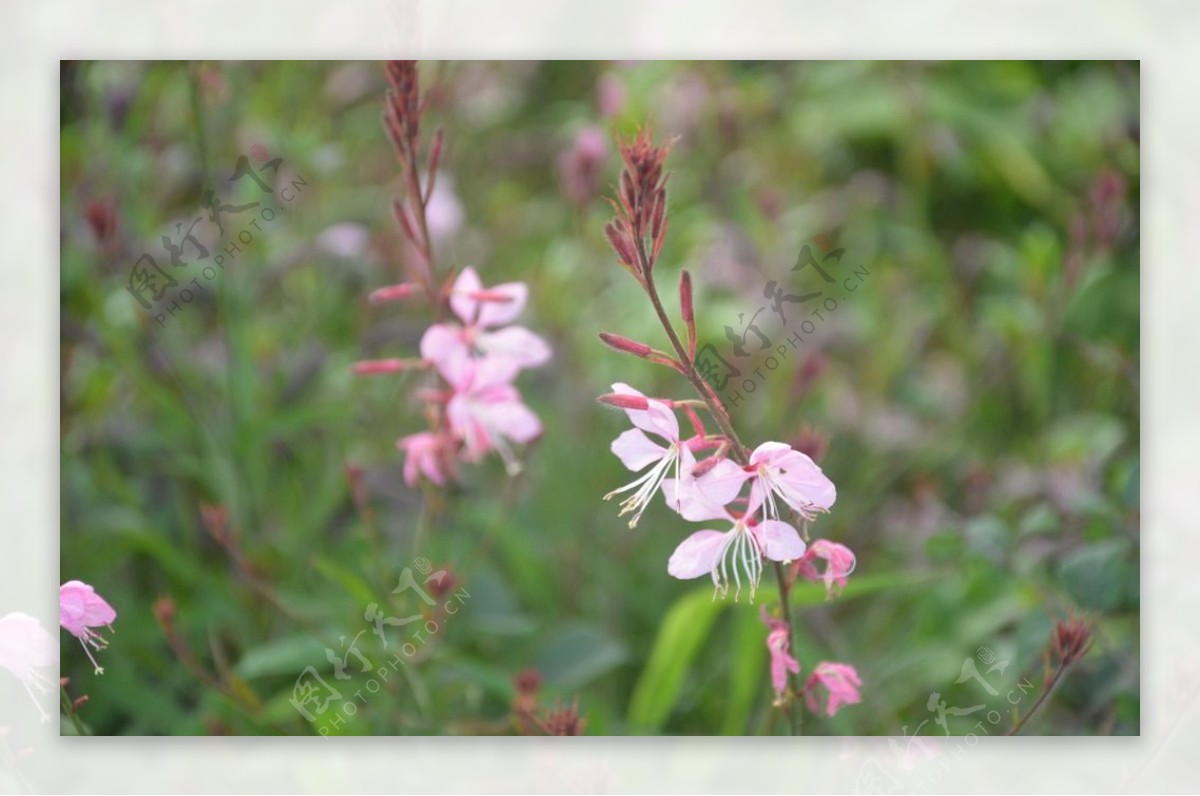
(979, 389)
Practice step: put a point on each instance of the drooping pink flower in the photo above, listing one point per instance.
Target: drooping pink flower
(839, 563)
(80, 610)
(424, 453)
(25, 647)
(637, 451)
(782, 661)
(839, 679)
(779, 472)
(485, 410)
(481, 311)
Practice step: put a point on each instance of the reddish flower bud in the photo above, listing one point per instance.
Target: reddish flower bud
(623, 401)
(527, 681)
(563, 721)
(102, 218)
(688, 310)
(391, 293)
(1071, 639)
(373, 366)
(164, 612)
(625, 344)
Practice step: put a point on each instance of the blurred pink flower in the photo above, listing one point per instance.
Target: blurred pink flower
(779, 471)
(80, 610)
(782, 661)
(347, 239)
(25, 646)
(480, 310)
(485, 410)
(579, 167)
(423, 454)
(638, 451)
(610, 95)
(839, 563)
(839, 679)
(443, 212)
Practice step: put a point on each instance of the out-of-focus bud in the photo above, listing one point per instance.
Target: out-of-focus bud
(563, 721)
(814, 365)
(374, 366)
(391, 293)
(1071, 639)
(811, 442)
(164, 613)
(102, 218)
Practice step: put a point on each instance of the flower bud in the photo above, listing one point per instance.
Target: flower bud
(1071, 639)
(391, 293)
(372, 366)
(623, 401)
(626, 345)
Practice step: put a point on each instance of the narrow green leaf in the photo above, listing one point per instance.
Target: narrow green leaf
(680, 637)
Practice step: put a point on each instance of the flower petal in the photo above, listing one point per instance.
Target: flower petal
(697, 555)
(778, 540)
(636, 451)
(516, 343)
(498, 313)
(461, 302)
(801, 476)
(768, 452)
(441, 342)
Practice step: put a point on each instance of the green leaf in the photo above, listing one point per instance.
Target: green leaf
(578, 654)
(1096, 577)
(749, 661)
(680, 637)
(288, 655)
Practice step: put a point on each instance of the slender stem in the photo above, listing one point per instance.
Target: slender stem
(69, 709)
(1016, 728)
(718, 413)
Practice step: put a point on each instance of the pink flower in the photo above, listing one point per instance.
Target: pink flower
(639, 452)
(80, 610)
(579, 166)
(839, 563)
(423, 454)
(704, 497)
(480, 311)
(25, 646)
(842, 682)
(778, 471)
(485, 410)
(740, 549)
(782, 661)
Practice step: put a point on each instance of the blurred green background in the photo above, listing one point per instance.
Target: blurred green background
(975, 400)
